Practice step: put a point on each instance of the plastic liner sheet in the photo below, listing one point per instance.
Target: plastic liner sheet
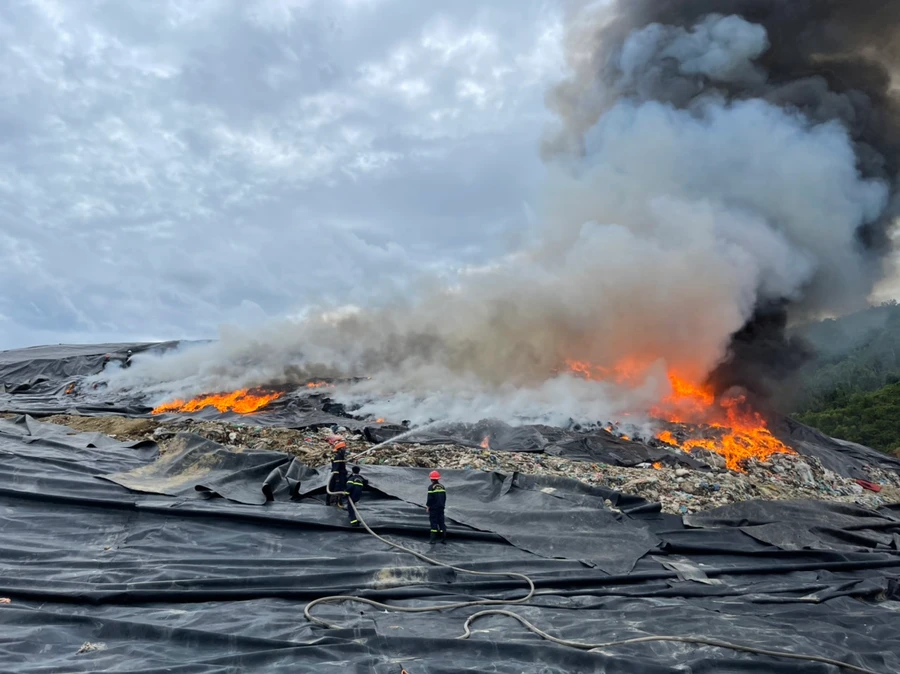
(195, 464)
(545, 521)
(844, 458)
(44, 367)
(798, 525)
(542, 520)
(101, 578)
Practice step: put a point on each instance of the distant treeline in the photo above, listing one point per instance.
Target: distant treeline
(851, 390)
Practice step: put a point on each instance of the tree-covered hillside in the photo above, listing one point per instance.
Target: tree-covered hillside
(851, 390)
(871, 419)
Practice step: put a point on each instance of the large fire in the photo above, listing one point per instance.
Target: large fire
(737, 431)
(244, 401)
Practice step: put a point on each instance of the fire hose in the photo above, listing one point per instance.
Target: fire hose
(700, 641)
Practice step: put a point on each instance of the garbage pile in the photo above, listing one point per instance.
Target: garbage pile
(783, 477)
(678, 490)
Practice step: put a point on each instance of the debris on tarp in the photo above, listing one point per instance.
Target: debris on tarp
(305, 423)
(678, 489)
(89, 646)
(865, 484)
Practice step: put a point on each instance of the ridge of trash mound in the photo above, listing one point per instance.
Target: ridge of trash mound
(679, 490)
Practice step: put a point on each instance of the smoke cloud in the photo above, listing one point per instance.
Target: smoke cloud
(829, 61)
(720, 169)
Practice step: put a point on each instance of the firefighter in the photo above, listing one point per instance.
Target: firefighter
(338, 480)
(355, 486)
(434, 506)
(127, 362)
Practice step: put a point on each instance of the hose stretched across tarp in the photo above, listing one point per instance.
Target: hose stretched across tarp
(689, 639)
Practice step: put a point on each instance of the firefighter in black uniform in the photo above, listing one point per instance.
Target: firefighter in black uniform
(437, 501)
(355, 486)
(338, 482)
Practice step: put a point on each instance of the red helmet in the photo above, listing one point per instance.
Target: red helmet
(435, 475)
(339, 445)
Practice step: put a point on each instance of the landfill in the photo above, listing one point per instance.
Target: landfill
(195, 542)
(677, 489)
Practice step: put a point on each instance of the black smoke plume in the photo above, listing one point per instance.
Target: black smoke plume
(827, 60)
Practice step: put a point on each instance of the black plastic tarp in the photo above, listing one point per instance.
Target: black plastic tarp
(44, 368)
(539, 518)
(101, 578)
(844, 458)
(798, 525)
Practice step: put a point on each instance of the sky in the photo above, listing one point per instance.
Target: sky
(168, 167)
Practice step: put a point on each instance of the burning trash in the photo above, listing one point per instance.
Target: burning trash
(244, 401)
(729, 426)
(745, 435)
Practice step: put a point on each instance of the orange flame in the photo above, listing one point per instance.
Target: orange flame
(688, 403)
(742, 433)
(243, 401)
(379, 421)
(657, 466)
(486, 443)
(318, 384)
(668, 437)
(628, 371)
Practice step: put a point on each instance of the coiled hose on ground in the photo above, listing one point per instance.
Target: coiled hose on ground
(701, 641)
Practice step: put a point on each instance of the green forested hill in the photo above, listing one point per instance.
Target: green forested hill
(852, 389)
(871, 419)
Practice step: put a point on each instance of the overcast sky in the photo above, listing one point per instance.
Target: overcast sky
(171, 165)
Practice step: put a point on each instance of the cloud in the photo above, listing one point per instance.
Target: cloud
(170, 166)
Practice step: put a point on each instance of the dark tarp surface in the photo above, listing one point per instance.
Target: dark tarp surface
(844, 458)
(43, 369)
(536, 517)
(102, 578)
(195, 464)
(799, 525)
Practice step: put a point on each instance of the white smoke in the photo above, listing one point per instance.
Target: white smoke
(723, 48)
(657, 243)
